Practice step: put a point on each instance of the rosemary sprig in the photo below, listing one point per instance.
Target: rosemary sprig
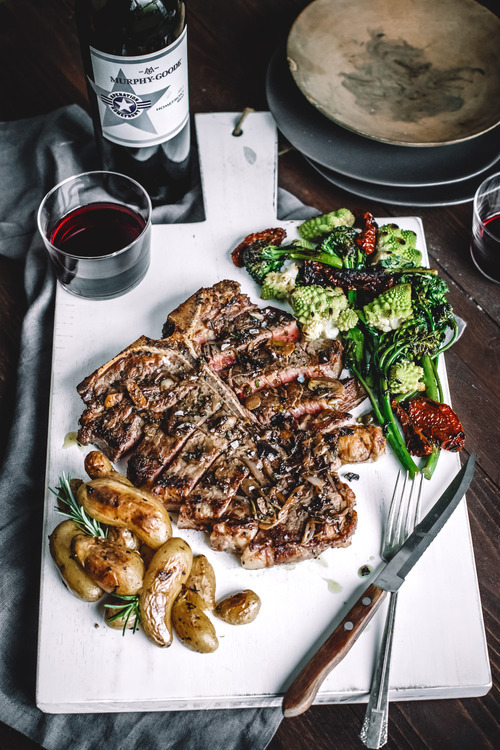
(129, 608)
(72, 509)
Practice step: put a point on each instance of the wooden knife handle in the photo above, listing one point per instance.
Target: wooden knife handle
(302, 691)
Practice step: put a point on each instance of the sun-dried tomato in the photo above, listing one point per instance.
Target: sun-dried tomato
(257, 239)
(428, 424)
(367, 238)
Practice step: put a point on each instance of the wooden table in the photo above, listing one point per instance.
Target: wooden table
(230, 45)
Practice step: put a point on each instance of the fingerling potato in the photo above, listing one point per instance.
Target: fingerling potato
(124, 538)
(192, 626)
(167, 571)
(118, 621)
(116, 504)
(200, 587)
(240, 608)
(73, 574)
(113, 568)
(98, 466)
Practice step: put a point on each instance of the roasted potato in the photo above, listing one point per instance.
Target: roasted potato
(200, 586)
(124, 538)
(114, 503)
(121, 622)
(192, 626)
(167, 572)
(113, 568)
(239, 609)
(147, 554)
(98, 466)
(73, 574)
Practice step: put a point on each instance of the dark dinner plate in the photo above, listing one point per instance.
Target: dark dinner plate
(356, 157)
(428, 195)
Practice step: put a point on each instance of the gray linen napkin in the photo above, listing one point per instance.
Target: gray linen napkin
(35, 154)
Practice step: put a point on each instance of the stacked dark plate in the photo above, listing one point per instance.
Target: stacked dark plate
(387, 108)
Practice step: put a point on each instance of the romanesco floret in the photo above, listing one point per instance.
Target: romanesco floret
(390, 309)
(347, 319)
(318, 226)
(317, 302)
(317, 328)
(396, 248)
(405, 377)
(322, 312)
(279, 284)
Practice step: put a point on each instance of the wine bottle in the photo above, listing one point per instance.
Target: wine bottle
(135, 58)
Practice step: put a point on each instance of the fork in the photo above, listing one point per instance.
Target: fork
(403, 517)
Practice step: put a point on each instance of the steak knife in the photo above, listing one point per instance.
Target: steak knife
(304, 688)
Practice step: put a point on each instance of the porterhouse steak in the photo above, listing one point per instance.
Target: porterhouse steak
(237, 425)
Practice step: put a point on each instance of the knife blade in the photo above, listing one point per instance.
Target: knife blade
(304, 688)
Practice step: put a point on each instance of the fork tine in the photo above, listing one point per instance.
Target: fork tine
(404, 517)
(403, 514)
(412, 507)
(387, 542)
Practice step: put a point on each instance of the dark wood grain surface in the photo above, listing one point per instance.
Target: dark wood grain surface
(230, 45)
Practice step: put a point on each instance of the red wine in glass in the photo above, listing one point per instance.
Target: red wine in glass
(485, 247)
(101, 249)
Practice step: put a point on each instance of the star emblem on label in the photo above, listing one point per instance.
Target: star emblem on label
(124, 104)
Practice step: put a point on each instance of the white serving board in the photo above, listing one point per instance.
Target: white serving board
(83, 666)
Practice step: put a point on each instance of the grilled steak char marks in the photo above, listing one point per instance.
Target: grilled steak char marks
(127, 392)
(197, 455)
(163, 439)
(210, 498)
(248, 330)
(272, 364)
(236, 425)
(297, 399)
(206, 313)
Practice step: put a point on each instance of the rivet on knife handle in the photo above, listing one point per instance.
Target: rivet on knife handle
(302, 691)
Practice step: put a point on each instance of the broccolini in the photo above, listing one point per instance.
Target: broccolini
(259, 261)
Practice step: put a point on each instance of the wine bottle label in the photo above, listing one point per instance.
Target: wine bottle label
(142, 100)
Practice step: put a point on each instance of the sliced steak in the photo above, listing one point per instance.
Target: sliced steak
(197, 454)
(162, 441)
(206, 313)
(297, 399)
(348, 444)
(210, 498)
(273, 364)
(314, 518)
(145, 362)
(235, 531)
(115, 430)
(237, 426)
(364, 444)
(308, 520)
(122, 395)
(249, 329)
